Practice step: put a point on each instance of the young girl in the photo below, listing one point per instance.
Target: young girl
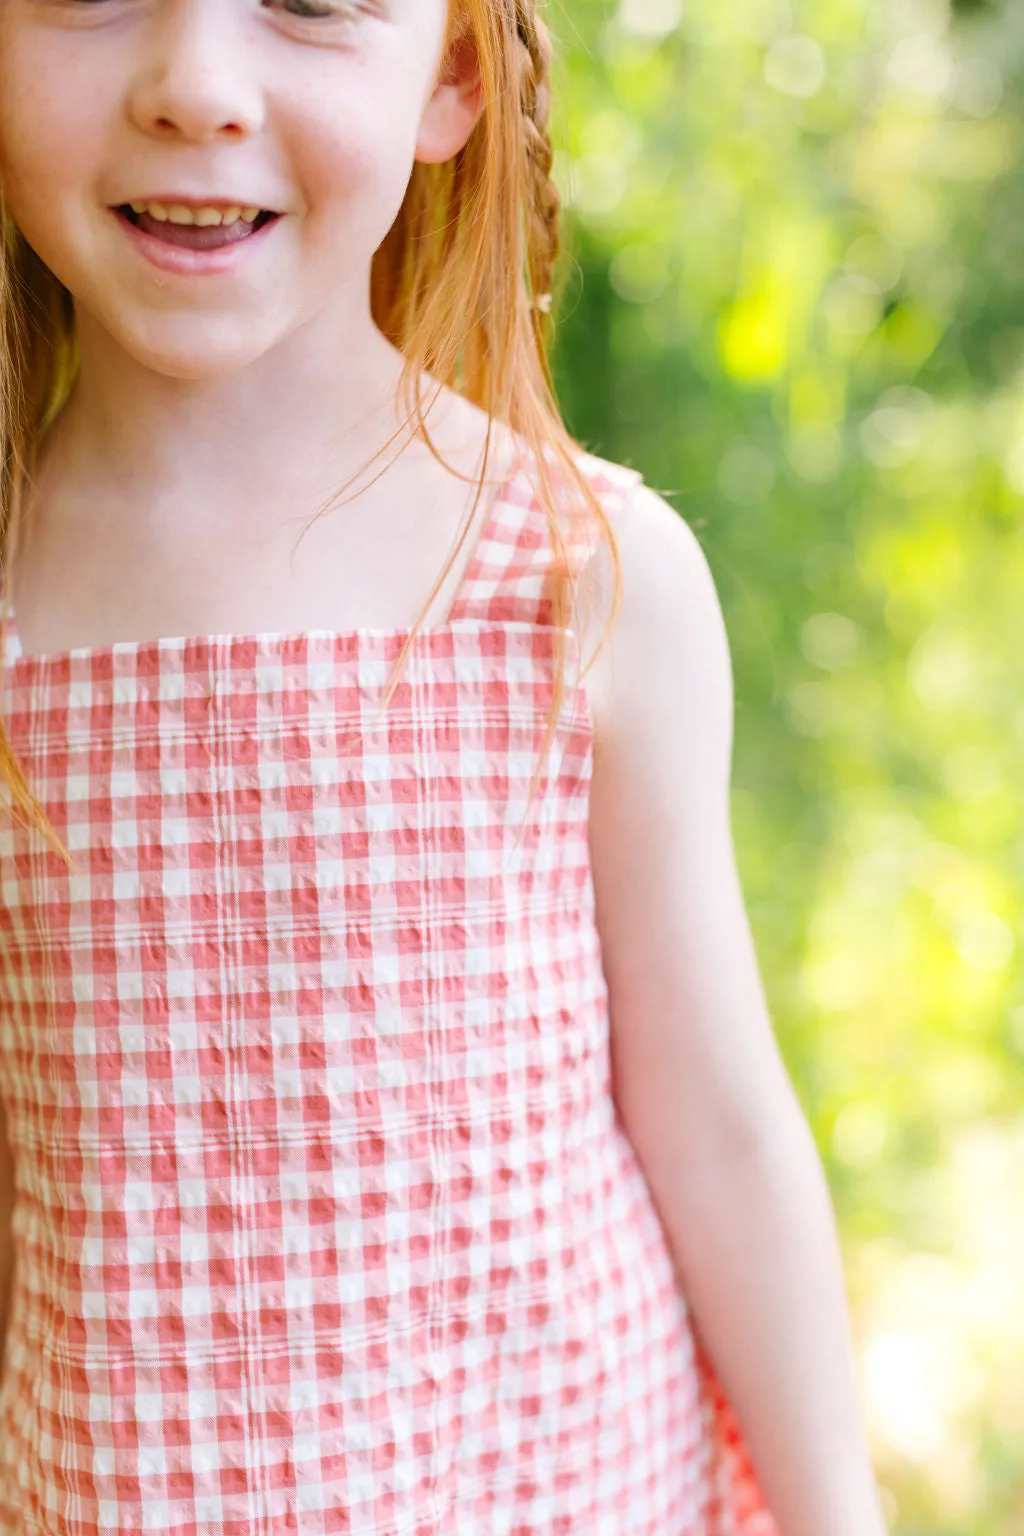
(327, 1211)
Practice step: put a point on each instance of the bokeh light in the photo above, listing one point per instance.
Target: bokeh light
(796, 302)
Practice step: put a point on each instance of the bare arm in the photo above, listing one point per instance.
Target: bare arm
(699, 1082)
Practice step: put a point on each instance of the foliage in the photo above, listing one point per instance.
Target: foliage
(797, 304)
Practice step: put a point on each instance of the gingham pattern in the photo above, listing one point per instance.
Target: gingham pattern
(325, 1222)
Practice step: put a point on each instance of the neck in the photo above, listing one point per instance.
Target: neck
(302, 418)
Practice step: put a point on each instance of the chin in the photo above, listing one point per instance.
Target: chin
(196, 349)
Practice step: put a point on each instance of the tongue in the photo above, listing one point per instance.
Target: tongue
(197, 238)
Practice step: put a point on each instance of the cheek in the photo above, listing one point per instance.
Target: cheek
(46, 138)
(357, 162)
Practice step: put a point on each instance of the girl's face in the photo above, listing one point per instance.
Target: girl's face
(310, 111)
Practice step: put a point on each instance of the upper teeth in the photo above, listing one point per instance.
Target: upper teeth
(177, 213)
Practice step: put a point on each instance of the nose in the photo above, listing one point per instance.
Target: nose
(193, 82)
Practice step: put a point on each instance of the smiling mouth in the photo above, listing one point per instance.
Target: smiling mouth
(231, 226)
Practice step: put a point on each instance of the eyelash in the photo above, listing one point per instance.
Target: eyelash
(309, 10)
(305, 10)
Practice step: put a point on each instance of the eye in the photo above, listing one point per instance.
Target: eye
(88, 13)
(316, 10)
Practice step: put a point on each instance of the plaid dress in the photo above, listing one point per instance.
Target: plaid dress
(325, 1222)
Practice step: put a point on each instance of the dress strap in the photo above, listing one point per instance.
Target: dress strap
(510, 576)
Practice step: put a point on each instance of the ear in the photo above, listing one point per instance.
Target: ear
(456, 105)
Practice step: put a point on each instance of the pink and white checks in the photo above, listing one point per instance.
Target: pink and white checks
(325, 1222)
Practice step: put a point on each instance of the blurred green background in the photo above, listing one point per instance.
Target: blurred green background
(796, 303)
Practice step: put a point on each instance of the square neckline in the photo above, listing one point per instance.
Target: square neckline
(46, 661)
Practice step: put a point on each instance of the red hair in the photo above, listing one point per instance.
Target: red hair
(462, 285)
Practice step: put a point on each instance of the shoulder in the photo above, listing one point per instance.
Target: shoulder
(665, 669)
(696, 1072)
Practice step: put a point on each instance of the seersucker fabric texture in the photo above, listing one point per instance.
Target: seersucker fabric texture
(325, 1222)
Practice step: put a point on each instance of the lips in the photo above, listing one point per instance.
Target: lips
(195, 237)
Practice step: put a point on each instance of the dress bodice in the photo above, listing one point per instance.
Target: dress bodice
(325, 1221)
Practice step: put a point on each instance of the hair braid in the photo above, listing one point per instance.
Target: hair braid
(541, 195)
